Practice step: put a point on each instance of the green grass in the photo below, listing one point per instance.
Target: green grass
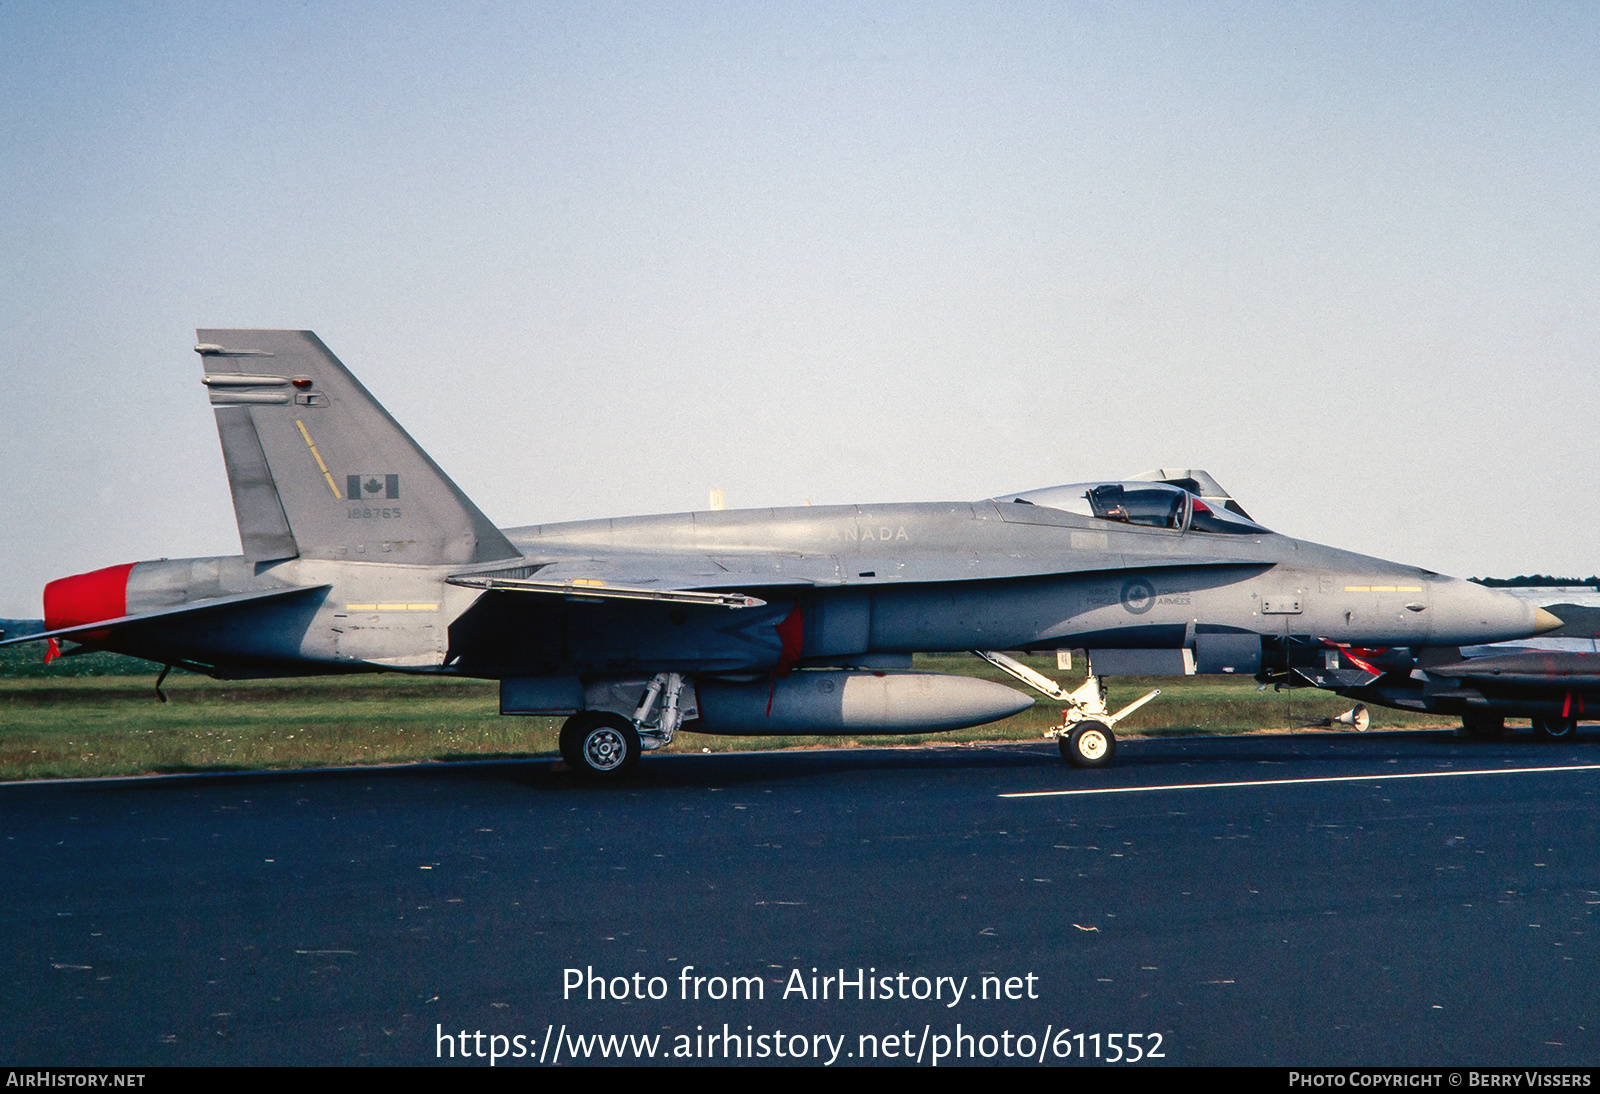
(97, 715)
(27, 662)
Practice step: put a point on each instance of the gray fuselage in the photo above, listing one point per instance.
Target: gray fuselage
(886, 579)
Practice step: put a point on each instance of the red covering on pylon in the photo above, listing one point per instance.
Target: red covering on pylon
(791, 633)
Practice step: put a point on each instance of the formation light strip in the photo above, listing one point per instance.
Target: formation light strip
(318, 457)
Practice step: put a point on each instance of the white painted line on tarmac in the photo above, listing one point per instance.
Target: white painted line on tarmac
(1304, 782)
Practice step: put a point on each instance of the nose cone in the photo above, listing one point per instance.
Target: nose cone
(1467, 614)
(87, 598)
(1544, 622)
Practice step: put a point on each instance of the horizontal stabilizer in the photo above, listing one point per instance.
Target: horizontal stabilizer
(193, 608)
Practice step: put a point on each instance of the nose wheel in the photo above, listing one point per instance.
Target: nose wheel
(1090, 744)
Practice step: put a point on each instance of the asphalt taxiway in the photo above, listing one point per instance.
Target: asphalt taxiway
(1253, 900)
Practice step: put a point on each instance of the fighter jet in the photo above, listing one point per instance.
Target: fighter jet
(360, 555)
(1552, 680)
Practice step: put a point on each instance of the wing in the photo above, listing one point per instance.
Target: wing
(716, 580)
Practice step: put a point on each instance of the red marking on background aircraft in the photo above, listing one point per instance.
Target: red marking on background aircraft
(1358, 655)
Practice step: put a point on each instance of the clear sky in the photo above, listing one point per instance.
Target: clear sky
(599, 259)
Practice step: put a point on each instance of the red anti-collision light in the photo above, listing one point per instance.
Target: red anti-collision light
(87, 598)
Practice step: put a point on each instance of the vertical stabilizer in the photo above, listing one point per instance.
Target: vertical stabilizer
(319, 469)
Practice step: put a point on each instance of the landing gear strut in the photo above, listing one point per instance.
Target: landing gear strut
(659, 733)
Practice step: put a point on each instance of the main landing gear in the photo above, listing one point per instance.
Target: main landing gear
(1555, 728)
(604, 744)
(1085, 733)
(598, 743)
(1479, 726)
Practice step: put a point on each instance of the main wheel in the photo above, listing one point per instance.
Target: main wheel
(598, 744)
(1091, 744)
(1483, 727)
(1555, 728)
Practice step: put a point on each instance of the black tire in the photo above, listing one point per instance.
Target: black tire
(1091, 744)
(600, 745)
(1479, 726)
(1555, 728)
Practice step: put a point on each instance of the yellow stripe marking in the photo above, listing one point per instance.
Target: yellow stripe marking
(391, 607)
(587, 581)
(318, 457)
(1383, 588)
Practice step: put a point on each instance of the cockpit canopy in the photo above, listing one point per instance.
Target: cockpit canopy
(1151, 504)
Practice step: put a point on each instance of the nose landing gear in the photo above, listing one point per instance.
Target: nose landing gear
(1086, 731)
